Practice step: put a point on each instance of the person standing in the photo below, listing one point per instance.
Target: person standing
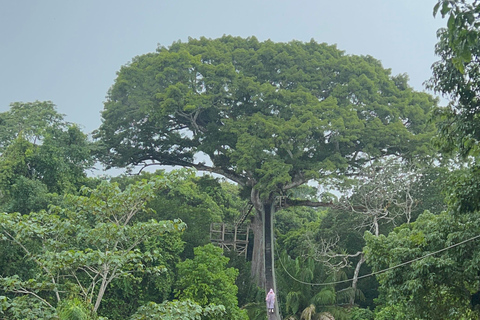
(270, 300)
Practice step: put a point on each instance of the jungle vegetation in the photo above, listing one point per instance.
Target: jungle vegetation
(373, 187)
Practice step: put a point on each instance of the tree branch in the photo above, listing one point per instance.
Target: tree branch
(325, 252)
(85, 294)
(297, 181)
(25, 291)
(199, 166)
(36, 261)
(226, 173)
(309, 203)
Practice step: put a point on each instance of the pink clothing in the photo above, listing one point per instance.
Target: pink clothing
(270, 299)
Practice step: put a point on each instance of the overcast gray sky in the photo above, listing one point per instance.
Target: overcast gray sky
(69, 51)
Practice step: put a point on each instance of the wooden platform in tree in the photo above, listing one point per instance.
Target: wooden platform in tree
(230, 237)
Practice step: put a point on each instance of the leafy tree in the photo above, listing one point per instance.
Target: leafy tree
(426, 281)
(25, 307)
(206, 280)
(19, 190)
(176, 310)
(460, 38)
(444, 283)
(40, 153)
(30, 119)
(198, 201)
(457, 76)
(268, 116)
(84, 245)
(145, 287)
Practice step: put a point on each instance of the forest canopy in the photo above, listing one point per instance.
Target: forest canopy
(397, 239)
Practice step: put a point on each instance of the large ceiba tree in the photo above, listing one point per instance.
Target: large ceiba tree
(268, 116)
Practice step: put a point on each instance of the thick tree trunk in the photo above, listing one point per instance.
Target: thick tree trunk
(268, 238)
(263, 257)
(270, 281)
(258, 255)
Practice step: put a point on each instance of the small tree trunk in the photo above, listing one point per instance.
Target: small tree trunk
(375, 224)
(355, 278)
(101, 292)
(103, 286)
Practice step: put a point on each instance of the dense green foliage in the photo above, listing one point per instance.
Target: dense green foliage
(435, 259)
(175, 310)
(270, 117)
(75, 309)
(40, 153)
(82, 246)
(457, 76)
(70, 255)
(198, 201)
(265, 113)
(442, 284)
(206, 280)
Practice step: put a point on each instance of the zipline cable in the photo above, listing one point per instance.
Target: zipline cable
(380, 271)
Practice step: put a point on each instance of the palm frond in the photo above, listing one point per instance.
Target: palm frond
(293, 301)
(344, 295)
(308, 312)
(359, 295)
(326, 296)
(325, 316)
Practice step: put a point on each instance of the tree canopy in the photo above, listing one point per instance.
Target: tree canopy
(40, 153)
(269, 114)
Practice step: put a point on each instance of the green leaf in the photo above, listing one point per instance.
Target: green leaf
(445, 8)
(451, 23)
(458, 63)
(435, 8)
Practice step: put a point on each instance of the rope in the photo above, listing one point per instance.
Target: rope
(245, 214)
(380, 271)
